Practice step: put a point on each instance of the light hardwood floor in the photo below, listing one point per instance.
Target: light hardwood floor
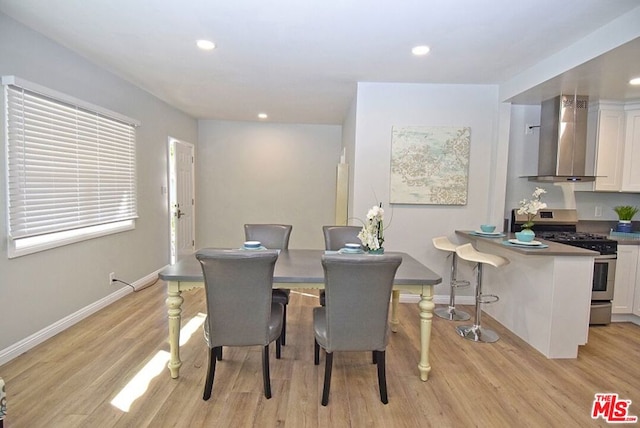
(71, 379)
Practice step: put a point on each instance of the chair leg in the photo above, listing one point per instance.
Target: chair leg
(373, 357)
(382, 376)
(284, 325)
(219, 353)
(278, 348)
(327, 378)
(208, 383)
(316, 352)
(265, 371)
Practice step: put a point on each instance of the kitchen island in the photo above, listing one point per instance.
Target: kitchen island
(545, 294)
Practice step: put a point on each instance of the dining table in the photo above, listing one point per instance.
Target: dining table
(302, 269)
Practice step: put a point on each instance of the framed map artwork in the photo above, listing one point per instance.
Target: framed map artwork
(429, 165)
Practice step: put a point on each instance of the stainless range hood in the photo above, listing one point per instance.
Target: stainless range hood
(563, 140)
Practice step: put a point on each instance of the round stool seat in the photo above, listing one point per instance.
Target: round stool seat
(467, 252)
(443, 243)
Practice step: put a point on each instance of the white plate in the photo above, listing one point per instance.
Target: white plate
(479, 232)
(261, 247)
(353, 246)
(530, 244)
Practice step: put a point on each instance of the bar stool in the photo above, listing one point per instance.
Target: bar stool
(476, 332)
(450, 313)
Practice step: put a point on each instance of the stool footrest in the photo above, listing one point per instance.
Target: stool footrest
(488, 298)
(459, 283)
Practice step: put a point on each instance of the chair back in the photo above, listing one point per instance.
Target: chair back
(238, 291)
(358, 290)
(272, 236)
(335, 237)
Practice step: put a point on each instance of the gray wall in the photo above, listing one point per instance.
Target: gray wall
(381, 106)
(249, 172)
(40, 289)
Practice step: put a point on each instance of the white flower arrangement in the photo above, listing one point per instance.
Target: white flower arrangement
(371, 234)
(532, 206)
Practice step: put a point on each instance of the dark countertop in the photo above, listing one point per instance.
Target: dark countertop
(554, 249)
(604, 227)
(625, 241)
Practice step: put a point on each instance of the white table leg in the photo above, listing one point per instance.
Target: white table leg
(426, 306)
(395, 299)
(174, 306)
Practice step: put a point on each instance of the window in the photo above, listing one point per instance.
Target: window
(70, 169)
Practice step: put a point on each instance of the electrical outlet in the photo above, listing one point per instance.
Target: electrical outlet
(598, 212)
(112, 277)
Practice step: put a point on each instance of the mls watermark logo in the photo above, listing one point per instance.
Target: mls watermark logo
(612, 409)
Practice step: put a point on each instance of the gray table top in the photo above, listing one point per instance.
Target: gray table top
(304, 266)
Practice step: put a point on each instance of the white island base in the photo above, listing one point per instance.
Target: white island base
(544, 299)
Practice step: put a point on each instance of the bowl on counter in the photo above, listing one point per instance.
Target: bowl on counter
(487, 228)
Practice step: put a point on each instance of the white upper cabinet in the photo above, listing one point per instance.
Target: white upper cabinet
(631, 165)
(617, 146)
(609, 148)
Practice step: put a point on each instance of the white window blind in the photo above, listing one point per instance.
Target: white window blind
(67, 167)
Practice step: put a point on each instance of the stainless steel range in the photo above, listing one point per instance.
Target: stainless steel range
(559, 225)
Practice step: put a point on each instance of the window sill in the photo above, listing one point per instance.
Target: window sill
(24, 246)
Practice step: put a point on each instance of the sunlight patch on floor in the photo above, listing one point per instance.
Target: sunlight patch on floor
(191, 327)
(139, 384)
(302, 293)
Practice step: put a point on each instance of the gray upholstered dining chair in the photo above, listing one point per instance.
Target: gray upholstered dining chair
(273, 237)
(355, 318)
(239, 308)
(335, 238)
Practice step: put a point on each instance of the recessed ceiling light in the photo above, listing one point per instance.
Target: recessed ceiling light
(262, 115)
(635, 81)
(206, 45)
(420, 50)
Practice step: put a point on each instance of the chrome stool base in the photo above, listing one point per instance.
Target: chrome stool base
(477, 333)
(452, 314)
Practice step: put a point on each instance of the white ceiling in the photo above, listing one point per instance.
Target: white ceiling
(299, 60)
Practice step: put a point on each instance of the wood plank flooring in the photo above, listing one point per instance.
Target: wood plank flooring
(72, 379)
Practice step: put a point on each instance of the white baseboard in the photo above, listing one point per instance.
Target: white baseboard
(37, 338)
(438, 299)
(625, 318)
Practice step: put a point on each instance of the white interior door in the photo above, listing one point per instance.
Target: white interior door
(182, 200)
